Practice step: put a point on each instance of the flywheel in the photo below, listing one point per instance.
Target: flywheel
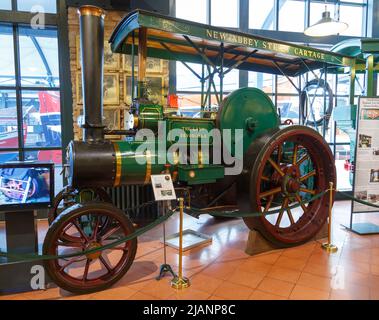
(286, 167)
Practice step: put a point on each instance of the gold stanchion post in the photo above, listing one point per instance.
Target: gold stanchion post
(329, 247)
(180, 282)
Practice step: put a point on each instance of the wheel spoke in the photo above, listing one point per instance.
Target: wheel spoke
(70, 244)
(312, 192)
(264, 178)
(270, 192)
(280, 150)
(105, 263)
(276, 167)
(94, 235)
(86, 269)
(268, 204)
(109, 233)
(289, 213)
(298, 198)
(82, 233)
(308, 175)
(302, 159)
(280, 216)
(294, 159)
(69, 262)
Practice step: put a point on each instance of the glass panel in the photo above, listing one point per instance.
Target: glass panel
(47, 6)
(316, 12)
(231, 81)
(42, 118)
(353, 16)
(47, 156)
(39, 57)
(185, 79)
(7, 71)
(190, 104)
(5, 4)
(8, 119)
(224, 13)
(6, 156)
(291, 15)
(263, 81)
(343, 173)
(289, 108)
(195, 10)
(285, 86)
(261, 14)
(343, 86)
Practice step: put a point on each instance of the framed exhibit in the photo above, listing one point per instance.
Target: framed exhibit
(128, 89)
(111, 118)
(127, 63)
(111, 60)
(79, 95)
(78, 59)
(153, 65)
(111, 90)
(155, 88)
(111, 94)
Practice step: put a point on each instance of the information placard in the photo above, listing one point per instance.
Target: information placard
(366, 179)
(163, 187)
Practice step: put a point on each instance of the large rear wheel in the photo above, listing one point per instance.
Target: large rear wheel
(288, 167)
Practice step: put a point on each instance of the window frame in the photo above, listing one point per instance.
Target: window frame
(59, 21)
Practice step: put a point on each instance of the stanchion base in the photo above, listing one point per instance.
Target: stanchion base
(180, 283)
(330, 248)
(163, 269)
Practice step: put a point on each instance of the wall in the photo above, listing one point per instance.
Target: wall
(115, 73)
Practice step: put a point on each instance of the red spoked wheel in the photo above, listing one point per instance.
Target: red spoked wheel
(289, 167)
(95, 271)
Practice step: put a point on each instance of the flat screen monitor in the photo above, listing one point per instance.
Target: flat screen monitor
(26, 185)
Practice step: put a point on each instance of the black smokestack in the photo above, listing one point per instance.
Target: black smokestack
(92, 54)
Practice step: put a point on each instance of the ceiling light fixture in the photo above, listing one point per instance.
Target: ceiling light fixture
(326, 26)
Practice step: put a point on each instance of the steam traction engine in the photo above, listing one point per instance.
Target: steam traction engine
(282, 166)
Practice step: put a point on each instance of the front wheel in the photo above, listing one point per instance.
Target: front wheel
(81, 224)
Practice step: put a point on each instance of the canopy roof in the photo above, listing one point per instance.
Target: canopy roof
(176, 39)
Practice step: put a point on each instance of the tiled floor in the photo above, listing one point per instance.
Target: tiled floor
(222, 270)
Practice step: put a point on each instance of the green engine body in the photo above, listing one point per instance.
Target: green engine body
(132, 161)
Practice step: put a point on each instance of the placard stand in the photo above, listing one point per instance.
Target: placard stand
(163, 192)
(165, 267)
(21, 238)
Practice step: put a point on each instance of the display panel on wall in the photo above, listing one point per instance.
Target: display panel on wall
(111, 90)
(366, 180)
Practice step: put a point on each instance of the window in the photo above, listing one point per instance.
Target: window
(30, 93)
(261, 14)
(291, 15)
(263, 81)
(224, 13)
(353, 16)
(194, 10)
(185, 79)
(7, 73)
(47, 6)
(6, 5)
(316, 11)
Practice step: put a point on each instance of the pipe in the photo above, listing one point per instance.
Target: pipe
(91, 20)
